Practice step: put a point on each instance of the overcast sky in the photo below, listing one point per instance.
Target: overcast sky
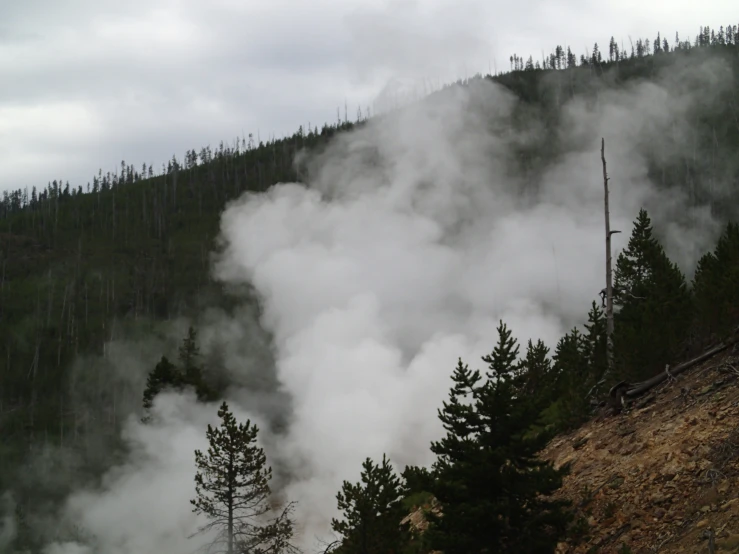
(87, 83)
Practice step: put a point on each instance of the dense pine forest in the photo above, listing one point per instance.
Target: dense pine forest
(119, 258)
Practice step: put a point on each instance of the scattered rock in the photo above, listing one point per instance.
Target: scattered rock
(709, 497)
(730, 543)
(616, 482)
(654, 463)
(658, 498)
(626, 430)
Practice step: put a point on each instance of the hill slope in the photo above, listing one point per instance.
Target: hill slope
(661, 475)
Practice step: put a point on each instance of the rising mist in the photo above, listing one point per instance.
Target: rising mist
(411, 238)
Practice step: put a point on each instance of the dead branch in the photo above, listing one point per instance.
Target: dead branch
(330, 547)
(730, 369)
(617, 291)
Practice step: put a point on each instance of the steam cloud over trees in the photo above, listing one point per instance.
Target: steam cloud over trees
(322, 287)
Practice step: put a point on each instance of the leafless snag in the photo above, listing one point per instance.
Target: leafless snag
(670, 377)
(609, 274)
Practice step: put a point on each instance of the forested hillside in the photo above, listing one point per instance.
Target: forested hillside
(81, 266)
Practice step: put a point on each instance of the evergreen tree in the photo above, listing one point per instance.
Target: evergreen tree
(716, 285)
(232, 488)
(191, 365)
(578, 372)
(492, 488)
(372, 512)
(594, 344)
(572, 372)
(655, 305)
(571, 58)
(657, 45)
(165, 375)
(596, 56)
(534, 375)
(189, 373)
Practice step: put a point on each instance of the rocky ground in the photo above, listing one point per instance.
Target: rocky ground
(663, 476)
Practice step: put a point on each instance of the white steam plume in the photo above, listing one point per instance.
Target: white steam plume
(413, 239)
(7, 521)
(414, 236)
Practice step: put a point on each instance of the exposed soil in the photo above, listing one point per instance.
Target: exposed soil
(664, 475)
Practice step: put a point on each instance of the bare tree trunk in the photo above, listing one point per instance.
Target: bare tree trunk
(2, 283)
(61, 324)
(61, 420)
(230, 502)
(609, 274)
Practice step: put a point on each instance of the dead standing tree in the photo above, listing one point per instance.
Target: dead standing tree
(606, 293)
(609, 273)
(623, 391)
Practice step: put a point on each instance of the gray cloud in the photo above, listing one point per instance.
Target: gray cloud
(88, 83)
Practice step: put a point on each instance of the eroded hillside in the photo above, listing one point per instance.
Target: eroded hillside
(663, 476)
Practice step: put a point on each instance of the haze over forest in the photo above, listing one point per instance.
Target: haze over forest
(333, 279)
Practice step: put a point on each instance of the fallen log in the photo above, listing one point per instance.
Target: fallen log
(640, 388)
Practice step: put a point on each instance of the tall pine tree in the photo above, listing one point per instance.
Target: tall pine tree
(655, 305)
(232, 491)
(493, 489)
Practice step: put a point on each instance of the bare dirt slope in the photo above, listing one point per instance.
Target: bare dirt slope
(664, 475)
